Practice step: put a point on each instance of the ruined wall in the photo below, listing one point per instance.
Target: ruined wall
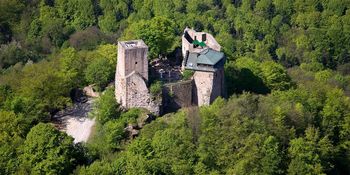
(177, 95)
(218, 85)
(207, 87)
(120, 89)
(210, 41)
(136, 93)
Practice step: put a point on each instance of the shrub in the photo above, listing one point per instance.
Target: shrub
(187, 74)
(156, 88)
(131, 115)
(106, 108)
(313, 66)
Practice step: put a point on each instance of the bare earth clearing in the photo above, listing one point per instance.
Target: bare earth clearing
(75, 121)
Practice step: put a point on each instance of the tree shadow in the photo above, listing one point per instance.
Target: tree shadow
(238, 81)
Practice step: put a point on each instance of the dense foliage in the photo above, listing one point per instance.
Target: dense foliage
(287, 76)
(47, 151)
(297, 131)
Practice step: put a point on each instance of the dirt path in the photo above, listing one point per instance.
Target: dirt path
(75, 121)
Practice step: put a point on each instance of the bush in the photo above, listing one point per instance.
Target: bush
(98, 167)
(313, 66)
(156, 88)
(114, 133)
(187, 74)
(106, 108)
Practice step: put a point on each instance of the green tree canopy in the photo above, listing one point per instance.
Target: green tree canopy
(275, 76)
(106, 108)
(47, 151)
(158, 33)
(12, 132)
(309, 154)
(99, 72)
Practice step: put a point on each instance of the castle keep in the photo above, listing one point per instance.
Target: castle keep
(132, 76)
(201, 54)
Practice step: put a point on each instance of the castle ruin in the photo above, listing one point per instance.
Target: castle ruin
(132, 76)
(201, 54)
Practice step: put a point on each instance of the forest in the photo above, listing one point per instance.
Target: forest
(287, 76)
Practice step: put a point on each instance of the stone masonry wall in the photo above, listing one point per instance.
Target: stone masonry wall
(136, 93)
(132, 59)
(177, 95)
(207, 87)
(210, 41)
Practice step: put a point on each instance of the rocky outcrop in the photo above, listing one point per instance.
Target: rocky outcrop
(75, 121)
(143, 120)
(89, 91)
(133, 130)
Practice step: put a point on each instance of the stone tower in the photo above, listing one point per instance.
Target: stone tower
(202, 54)
(132, 57)
(132, 76)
